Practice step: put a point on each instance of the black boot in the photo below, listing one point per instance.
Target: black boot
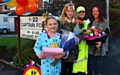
(81, 73)
(90, 73)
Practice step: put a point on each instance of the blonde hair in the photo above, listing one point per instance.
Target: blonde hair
(63, 15)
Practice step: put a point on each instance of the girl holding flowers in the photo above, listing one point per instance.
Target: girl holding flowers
(67, 23)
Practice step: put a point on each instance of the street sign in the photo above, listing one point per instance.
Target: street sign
(30, 26)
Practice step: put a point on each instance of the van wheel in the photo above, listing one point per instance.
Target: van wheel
(4, 31)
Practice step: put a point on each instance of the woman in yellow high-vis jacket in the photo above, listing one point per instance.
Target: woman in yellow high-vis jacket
(80, 65)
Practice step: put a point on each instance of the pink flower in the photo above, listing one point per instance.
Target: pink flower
(98, 30)
(96, 33)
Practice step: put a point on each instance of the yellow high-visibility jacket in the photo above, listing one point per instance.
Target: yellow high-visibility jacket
(81, 63)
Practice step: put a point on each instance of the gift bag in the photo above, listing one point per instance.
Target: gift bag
(77, 30)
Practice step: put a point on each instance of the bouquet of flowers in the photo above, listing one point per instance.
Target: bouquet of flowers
(94, 34)
(68, 41)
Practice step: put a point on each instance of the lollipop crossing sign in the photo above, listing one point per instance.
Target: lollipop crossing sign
(32, 70)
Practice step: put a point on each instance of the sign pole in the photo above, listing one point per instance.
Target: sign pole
(107, 10)
(19, 37)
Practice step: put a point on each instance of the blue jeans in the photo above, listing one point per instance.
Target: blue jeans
(95, 63)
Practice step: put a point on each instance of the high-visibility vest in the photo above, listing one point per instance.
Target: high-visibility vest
(81, 63)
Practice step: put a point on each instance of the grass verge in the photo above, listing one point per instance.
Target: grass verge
(12, 41)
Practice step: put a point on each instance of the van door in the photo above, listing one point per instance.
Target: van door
(11, 22)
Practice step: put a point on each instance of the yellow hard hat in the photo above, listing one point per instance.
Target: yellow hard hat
(80, 8)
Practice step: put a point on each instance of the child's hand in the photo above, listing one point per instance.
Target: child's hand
(64, 54)
(41, 56)
(58, 56)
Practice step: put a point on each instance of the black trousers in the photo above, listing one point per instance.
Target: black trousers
(67, 68)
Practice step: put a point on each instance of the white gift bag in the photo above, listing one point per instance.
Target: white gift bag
(77, 30)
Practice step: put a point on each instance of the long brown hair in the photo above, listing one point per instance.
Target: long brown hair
(101, 17)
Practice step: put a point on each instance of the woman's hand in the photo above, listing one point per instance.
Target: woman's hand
(41, 56)
(98, 44)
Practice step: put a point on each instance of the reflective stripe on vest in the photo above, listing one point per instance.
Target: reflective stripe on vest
(80, 64)
(78, 61)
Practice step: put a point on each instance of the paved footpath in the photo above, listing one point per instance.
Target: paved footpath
(6, 69)
(111, 62)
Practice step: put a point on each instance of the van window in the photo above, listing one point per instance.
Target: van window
(5, 19)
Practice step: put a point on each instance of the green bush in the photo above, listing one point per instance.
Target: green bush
(2, 48)
(7, 53)
(114, 15)
(26, 53)
(115, 4)
(114, 21)
(2, 51)
(11, 51)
